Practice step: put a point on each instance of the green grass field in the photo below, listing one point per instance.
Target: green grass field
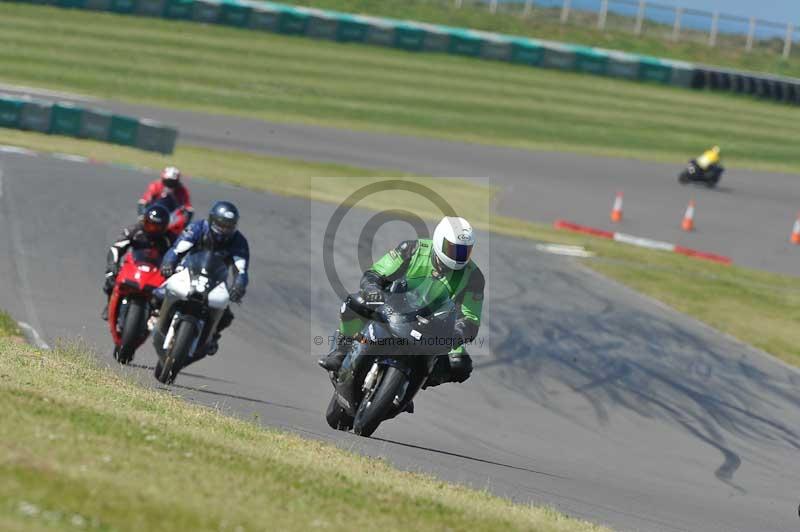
(85, 449)
(757, 307)
(295, 79)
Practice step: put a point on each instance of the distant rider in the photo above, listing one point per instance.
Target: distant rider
(149, 233)
(168, 186)
(218, 233)
(446, 257)
(709, 161)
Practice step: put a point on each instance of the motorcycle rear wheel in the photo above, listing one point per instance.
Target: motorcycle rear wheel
(131, 331)
(376, 407)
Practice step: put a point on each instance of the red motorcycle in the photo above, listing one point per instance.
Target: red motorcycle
(129, 308)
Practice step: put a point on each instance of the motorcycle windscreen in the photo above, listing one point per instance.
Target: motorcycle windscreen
(146, 256)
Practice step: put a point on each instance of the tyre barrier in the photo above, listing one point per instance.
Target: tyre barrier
(67, 119)
(423, 37)
(776, 88)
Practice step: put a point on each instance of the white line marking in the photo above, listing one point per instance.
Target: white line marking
(70, 157)
(643, 242)
(567, 251)
(33, 336)
(5, 148)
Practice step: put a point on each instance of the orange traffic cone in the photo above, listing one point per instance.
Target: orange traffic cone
(796, 231)
(688, 218)
(616, 210)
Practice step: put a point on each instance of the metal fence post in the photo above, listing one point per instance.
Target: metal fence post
(639, 18)
(493, 7)
(712, 37)
(751, 33)
(458, 3)
(526, 11)
(787, 42)
(565, 11)
(601, 17)
(676, 28)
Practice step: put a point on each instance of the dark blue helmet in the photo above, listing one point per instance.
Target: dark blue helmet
(223, 219)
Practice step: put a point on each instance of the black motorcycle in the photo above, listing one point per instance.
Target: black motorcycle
(695, 174)
(196, 297)
(393, 356)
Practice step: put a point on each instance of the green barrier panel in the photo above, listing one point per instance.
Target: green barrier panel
(150, 8)
(590, 61)
(66, 119)
(351, 29)
(463, 42)
(409, 37)
(622, 65)
(123, 6)
(292, 21)
(321, 24)
(557, 55)
(235, 14)
(206, 11)
(437, 38)
(651, 69)
(123, 130)
(264, 18)
(10, 112)
(178, 9)
(526, 52)
(98, 5)
(379, 32)
(495, 47)
(96, 125)
(682, 74)
(36, 116)
(153, 136)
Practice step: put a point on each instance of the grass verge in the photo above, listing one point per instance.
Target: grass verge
(186, 65)
(83, 448)
(757, 307)
(8, 327)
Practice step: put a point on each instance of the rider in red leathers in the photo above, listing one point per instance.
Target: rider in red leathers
(168, 186)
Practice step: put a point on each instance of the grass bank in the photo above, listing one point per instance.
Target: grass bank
(83, 448)
(757, 307)
(292, 79)
(544, 23)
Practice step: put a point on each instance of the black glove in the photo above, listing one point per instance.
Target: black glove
(236, 292)
(140, 208)
(167, 270)
(372, 295)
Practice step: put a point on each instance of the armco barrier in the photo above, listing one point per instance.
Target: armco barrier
(418, 36)
(63, 118)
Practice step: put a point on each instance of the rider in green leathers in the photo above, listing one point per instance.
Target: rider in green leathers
(445, 257)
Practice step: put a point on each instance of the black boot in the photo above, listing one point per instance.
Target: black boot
(333, 360)
(104, 314)
(212, 346)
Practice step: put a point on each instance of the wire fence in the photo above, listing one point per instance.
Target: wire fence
(641, 17)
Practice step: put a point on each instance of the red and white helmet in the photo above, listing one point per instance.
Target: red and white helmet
(170, 177)
(453, 240)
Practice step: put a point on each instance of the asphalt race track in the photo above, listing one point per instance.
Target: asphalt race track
(749, 217)
(586, 396)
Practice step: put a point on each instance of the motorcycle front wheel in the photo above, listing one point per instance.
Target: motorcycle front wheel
(131, 330)
(375, 407)
(167, 370)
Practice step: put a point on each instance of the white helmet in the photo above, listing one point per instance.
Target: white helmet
(452, 242)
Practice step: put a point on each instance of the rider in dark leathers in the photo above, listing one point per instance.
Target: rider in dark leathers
(218, 233)
(149, 233)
